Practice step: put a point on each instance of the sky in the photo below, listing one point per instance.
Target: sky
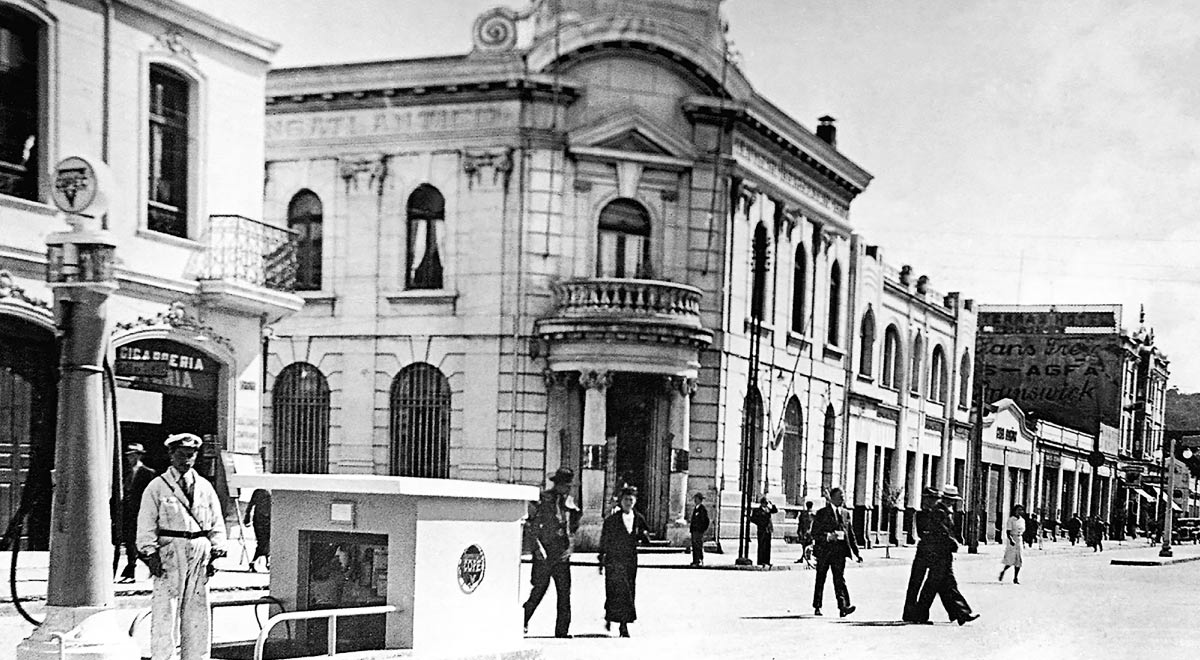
(1023, 152)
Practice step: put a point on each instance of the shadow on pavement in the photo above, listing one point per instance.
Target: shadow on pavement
(879, 624)
(782, 616)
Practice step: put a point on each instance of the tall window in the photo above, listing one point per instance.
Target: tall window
(830, 449)
(799, 288)
(752, 430)
(835, 304)
(624, 249)
(793, 452)
(938, 375)
(426, 242)
(918, 356)
(304, 217)
(758, 264)
(20, 103)
(170, 105)
(964, 381)
(892, 358)
(300, 408)
(420, 428)
(866, 347)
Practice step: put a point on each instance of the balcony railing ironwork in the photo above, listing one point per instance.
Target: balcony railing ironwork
(250, 252)
(627, 298)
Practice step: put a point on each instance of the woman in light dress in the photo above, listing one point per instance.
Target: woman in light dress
(1012, 549)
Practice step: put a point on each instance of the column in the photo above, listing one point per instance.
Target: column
(595, 383)
(558, 421)
(681, 389)
(1058, 491)
(1087, 495)
(1005, 496)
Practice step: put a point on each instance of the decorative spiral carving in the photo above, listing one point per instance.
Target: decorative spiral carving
(496, 30)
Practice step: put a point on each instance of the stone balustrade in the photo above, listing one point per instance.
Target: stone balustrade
(627, 298)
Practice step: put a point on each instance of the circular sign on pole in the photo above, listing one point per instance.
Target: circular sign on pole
(81, 186)
(1096, 459)
(472, 566)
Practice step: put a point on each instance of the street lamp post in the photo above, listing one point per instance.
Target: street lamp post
(1168, 495)
(80, 607)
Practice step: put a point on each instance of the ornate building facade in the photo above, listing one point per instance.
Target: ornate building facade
(170, 99)
(601, 249)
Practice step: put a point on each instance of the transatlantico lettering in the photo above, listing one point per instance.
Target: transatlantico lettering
(743, 150)
(398, 121)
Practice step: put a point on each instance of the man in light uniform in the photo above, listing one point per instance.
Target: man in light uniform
(180, 533)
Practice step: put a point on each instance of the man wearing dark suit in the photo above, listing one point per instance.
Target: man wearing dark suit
(552, 523)
(941, 581)
(698, 524)
(137, 477)
(833, 543)
(926, 555)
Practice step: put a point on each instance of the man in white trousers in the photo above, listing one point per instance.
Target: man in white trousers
(180, 533)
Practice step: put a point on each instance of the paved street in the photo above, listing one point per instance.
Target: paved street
(1071, 603)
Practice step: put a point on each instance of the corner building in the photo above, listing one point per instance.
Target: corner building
(538, 255)
(171, 100)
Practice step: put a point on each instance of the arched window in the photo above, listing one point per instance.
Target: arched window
(866, 346)
(829, 450)
(170, 146)
(892, 358)
(938, 375)
(918, 357)
(835, 304)
(624, 249)
(300, 411)
(22, 46)
(793, 452)
(752, 430)
(799, 289)
(426, 240)
(964, 381)
(304, 217)
(420, 428)
(758, 294)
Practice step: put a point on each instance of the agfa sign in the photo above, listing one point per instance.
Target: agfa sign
(81, 186)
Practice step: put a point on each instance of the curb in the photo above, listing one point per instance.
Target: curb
(1162, 561)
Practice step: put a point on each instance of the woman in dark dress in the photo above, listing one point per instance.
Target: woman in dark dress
(622, 531)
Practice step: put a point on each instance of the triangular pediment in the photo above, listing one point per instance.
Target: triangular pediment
(631, 129)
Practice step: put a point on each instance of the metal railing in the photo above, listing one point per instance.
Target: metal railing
(624, 298)
(249, 251)
(330, 614)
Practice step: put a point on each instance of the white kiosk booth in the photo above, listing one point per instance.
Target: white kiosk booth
(445, 553)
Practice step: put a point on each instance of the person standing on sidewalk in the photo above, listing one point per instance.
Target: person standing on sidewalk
(619, 538)
(258, 515)
(804, 522)
(761, 518)
(180, 533)
(137, 477)
(940, 581)
(1074, 525)
(551, 525)
(1012, 546)
(1031, 530)
(698, 524)
(832, 544)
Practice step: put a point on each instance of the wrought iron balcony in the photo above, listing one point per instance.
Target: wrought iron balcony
(249, 252)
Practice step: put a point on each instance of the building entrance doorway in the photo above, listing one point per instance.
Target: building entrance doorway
(169, 388)
(28, 420)
(635, 417)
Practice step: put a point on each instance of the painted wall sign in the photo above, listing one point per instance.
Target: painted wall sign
(391, 122)
(1072, 321)
(1072, 380)
(472, 565)
(189, 372)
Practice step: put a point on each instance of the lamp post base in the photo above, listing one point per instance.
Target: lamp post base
(1166, 552)
(81, 633)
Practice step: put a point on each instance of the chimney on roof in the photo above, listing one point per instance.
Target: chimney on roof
(827, 131)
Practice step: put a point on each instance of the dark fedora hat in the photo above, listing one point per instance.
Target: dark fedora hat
(563, 475)
(629, 490)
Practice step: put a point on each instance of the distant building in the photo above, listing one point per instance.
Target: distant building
(1074, 366)
(537, 255)
(170, 99)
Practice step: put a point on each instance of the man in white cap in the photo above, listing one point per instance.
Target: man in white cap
(180, 533)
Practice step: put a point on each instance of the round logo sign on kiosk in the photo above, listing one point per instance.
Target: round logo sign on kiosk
(81, 186)
(471, 567)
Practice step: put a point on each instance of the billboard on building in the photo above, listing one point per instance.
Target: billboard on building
(1064, 365)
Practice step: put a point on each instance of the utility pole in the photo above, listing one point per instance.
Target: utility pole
(975, 460)
(80, 605)
(752, 412)
(1168, 450)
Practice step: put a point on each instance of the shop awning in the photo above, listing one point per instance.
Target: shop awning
(1142, 494)
(1176, 506)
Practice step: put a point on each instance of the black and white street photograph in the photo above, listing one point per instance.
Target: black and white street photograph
(593, 329)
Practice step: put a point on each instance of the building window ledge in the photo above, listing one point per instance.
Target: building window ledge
(169, 239)
(834, 352)
(327, 297)
(866, 378)
(22, 204)
(423, 297)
